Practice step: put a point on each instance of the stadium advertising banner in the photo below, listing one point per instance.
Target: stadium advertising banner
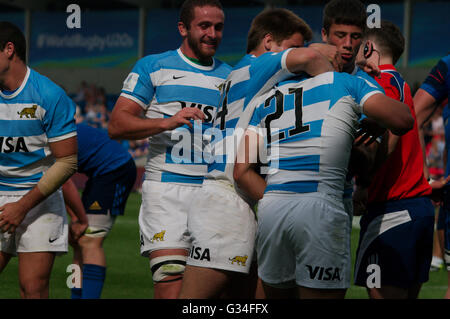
(430, 26)
(104, 39)
(430, 33)
(18, 18)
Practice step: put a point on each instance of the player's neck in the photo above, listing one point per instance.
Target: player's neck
(259, 51)
(189, 54)
(11, 79)
(386, 60)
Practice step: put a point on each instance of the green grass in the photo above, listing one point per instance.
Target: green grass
(128, 274)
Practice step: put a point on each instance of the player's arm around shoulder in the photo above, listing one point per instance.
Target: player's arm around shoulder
(313, 60)
(390, 113)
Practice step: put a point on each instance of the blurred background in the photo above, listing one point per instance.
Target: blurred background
(91, 62)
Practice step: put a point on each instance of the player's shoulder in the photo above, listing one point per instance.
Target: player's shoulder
(393, 80)
(45, 88)
(446, 60)
(157, 60)
(222, 69)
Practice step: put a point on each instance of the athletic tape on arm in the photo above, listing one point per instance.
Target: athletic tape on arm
(57, 174)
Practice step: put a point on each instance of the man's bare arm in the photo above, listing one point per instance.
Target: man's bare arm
(127, 121)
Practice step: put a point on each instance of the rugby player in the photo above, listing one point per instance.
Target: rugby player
(111, 173)
(434, 90)
(309, 125)
(222, 219)
(160, 97)
(38, 153)
(397, 230)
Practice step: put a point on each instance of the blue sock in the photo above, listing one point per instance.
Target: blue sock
(76, 293)
(93, 279)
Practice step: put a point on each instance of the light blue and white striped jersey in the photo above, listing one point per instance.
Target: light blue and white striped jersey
(311, 124)
(162, 84)
(250, 78)
(36, 114)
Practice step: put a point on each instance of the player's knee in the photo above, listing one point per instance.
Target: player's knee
(167, 268)
(34, 288)
(87, 242)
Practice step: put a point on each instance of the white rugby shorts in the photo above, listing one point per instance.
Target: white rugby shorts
(303, 240)
(223, 229)
(44, 228)
(163, 215)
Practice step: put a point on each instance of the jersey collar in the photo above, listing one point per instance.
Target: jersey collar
(195, 65)
(17, 92)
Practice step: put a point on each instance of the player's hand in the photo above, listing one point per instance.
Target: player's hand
(331, 53)
(184, 116)
(76, 230)
(11, 215)
(437, 187)
(360, 198)
(369, 132)
(369, 67)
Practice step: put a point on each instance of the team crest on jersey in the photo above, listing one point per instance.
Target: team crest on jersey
(28, 112)
(240, 260)
(158, 236)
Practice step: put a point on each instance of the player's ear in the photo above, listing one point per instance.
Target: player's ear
(268, 42)
(9, 50)
(324, 35)
(182, 29)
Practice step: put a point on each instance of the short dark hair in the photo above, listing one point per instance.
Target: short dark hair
(280, 23)
(350, 12)
(388, 38)
(11, 33)
(188, 6)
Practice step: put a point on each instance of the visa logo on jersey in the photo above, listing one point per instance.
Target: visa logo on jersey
(207, 110)
(200, 253)
(13, 144)
(322, 273)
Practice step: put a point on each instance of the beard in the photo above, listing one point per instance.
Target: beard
(196, 47)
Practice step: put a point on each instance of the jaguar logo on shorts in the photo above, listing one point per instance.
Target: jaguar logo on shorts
(158, 236)
(240, 260)
(28, 112)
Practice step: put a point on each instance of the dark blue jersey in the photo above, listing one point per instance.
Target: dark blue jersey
(437, 84)
(97, 153)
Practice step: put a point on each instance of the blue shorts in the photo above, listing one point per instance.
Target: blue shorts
(398, 237)
(109, 192)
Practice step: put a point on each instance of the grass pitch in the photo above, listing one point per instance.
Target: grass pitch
(128, 274)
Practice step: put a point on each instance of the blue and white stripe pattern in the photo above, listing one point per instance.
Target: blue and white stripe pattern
(36, 114)
(250, 78)
(162, 84)
(311, 131)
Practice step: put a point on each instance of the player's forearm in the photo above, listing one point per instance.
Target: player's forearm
(31, 199)
(426, 173)
(73, 200)
(424, 107)
(390, 113)
(124, 125)
(307, 60)
(250, 182)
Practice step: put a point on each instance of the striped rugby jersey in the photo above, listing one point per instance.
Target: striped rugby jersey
(250, 78)
(312, 124)
(36, 114)
(162, 84)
